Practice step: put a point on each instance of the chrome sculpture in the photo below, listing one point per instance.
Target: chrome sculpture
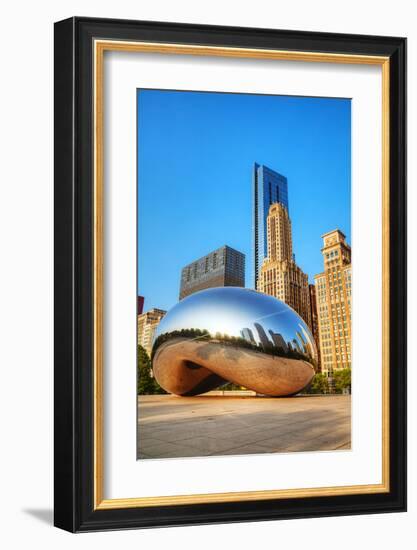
(231, 334)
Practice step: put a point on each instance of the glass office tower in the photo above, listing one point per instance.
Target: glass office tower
(268, 187)
(222, 267)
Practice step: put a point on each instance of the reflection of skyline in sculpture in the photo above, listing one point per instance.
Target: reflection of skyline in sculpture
(254, 308)
(278, 340)
(233, 334)
(265, 342)
(247, 334)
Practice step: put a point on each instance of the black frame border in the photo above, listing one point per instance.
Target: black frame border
(74, 330)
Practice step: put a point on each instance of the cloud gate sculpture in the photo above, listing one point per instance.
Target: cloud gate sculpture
(231, 334)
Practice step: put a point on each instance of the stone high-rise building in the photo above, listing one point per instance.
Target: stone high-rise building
(223, 267)
(279, 275)
(147, 324)
(314, 320)
(333, 291)
(268, 187)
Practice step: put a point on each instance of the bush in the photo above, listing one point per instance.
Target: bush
(319, 384)
(342, 380)
(147, 385)
(231, 387)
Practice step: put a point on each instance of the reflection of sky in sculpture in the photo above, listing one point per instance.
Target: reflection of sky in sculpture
(229, 310)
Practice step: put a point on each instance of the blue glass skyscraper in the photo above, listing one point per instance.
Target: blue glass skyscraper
(268, 187)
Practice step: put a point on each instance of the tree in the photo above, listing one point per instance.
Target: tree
(147, 385)
(145, 380)
(231, 387)
(319, 384)
(342, 380)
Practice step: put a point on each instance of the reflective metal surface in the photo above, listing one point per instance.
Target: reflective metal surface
(231, 334)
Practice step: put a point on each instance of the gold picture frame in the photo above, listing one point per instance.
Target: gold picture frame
(93, 44)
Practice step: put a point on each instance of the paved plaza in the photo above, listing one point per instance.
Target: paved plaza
(206, 425)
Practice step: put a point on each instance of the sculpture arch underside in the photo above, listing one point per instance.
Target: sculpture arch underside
(190, 367)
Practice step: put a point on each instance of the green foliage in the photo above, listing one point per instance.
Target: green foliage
(319, 384)
(231, 387)
(147, 385)
(342, 380)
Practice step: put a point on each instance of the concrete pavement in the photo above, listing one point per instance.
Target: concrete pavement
(206, 425)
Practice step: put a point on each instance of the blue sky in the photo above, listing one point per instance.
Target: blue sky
(195, 158)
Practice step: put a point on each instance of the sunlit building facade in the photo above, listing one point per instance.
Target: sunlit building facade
(279, 275)
(333, 292)
(314, 320)
(268, 187)
(147, 324)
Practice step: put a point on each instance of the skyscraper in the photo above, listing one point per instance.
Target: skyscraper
(278, 340)
(314, 319)
(263, 337)
(333, 291)
(279, 275)
(247, 334)
(140, 303)
(147, 324)
(268, 187)
(222, 267)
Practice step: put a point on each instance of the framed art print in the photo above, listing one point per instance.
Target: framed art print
(229, 274)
